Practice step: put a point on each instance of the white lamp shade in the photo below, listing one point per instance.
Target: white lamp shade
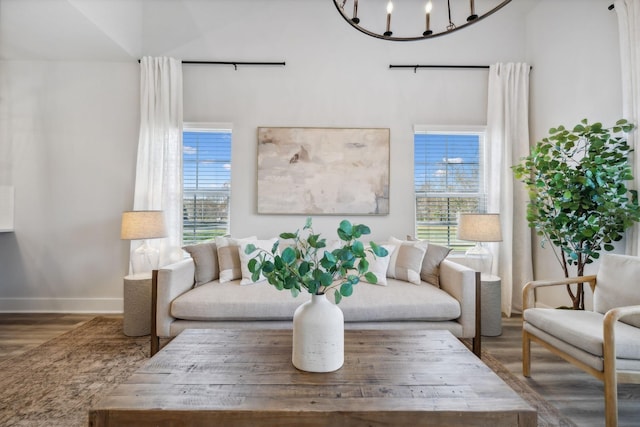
(479, 227)
(138, 225)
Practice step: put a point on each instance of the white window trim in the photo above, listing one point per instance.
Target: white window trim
(206, 126)
(444, 129)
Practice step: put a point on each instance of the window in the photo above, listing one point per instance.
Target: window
(449, 179)
(206, 158)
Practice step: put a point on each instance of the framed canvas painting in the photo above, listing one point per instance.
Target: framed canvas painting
(323, 171)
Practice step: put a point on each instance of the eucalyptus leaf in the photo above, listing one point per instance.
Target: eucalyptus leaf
(303, 265)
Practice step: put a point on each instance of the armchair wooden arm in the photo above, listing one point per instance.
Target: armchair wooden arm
(611, 317)
(611, 375)
(529, 295)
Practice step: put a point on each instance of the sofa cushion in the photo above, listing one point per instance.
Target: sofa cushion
(231, 301)
(229, 257)
(397, 301)
(205, 259)
(583, 329)
(406, 260)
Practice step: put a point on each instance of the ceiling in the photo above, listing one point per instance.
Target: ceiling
(105, 30)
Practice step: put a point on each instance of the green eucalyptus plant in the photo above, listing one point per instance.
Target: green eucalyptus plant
(302, 266)
(578, 197)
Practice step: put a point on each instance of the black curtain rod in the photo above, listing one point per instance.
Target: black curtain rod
(438, 66)
(234, 63)
(415, 67)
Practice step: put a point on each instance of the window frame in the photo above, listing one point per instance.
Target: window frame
(206, 127)
(482, 194)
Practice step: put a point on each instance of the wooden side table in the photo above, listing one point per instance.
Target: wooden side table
(491, 300)
(137, 305)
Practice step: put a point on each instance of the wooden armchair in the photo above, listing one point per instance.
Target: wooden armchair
(604, 342)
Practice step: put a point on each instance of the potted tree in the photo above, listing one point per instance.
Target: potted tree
(579, 200)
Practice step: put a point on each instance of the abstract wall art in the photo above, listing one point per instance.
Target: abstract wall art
(323, 171)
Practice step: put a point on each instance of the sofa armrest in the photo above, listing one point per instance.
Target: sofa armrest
(172, 281)
(460, 282)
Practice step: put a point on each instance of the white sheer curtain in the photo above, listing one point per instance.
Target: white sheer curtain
(628, 12)
(159, 167)
(507, 142)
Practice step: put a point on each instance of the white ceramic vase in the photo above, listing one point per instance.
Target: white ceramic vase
(318, 336)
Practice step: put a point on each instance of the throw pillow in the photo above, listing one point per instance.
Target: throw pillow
(205, 258)
(267, 245)
(406, 260)
(378, 265)
(430, 271)
(229, 258)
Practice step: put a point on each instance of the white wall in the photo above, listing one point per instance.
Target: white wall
(71, 129)
(70, 126)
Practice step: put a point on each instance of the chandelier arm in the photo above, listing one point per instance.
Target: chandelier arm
(420, 37)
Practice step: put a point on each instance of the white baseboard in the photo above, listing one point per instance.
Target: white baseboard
(61, 305)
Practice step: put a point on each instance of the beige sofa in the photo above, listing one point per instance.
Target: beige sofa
(199, 292)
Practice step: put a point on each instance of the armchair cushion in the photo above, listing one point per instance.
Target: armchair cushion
(617, 285)
(583, 329)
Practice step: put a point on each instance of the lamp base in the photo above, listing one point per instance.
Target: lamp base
(479, 258)
(145, 258)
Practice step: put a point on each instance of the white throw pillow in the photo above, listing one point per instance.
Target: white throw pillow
(378, 265)
(406, 260)
(229, 258)
(267, 245)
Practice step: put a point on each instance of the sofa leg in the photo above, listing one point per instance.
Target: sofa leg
(526, 354)
(155, 340)
(477, 340)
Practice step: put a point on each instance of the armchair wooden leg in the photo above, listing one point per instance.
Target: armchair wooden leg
(526, 354)
(610, 401)
(610, 380)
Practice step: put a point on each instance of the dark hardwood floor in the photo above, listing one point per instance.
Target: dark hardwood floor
(575, 393)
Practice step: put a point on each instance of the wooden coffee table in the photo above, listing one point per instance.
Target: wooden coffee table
(246, 378)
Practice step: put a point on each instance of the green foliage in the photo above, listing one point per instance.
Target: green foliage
(300, 266)
(578, 197)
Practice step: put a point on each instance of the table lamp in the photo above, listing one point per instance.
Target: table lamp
(480, 228)
(143, 225)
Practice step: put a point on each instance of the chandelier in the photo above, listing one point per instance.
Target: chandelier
(372, 15)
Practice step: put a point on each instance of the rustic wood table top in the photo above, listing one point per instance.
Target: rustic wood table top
(246, 378)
